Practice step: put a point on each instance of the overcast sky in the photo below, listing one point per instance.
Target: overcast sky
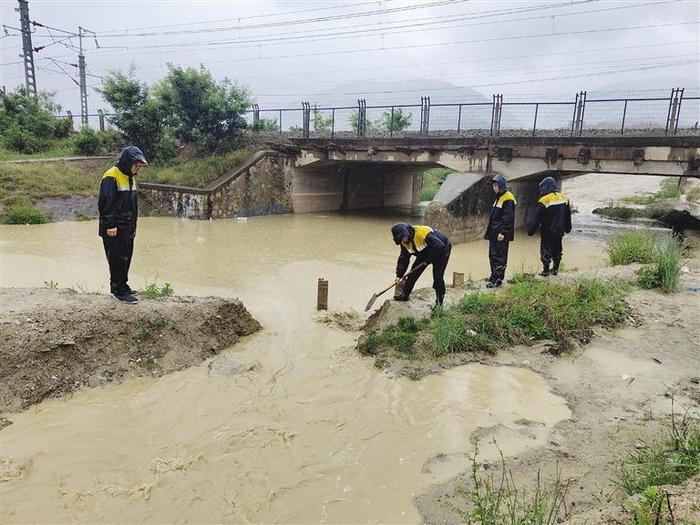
(397, 50)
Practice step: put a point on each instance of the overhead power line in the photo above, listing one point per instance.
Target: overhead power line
(326, 18)
(453, 43)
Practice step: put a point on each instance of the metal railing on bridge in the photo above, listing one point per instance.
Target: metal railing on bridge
(653, 112)
(650, 112)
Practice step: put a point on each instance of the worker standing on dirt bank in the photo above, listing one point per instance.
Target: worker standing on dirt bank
(500, 231)
(118, 207)
(430, 246)
(553, 217)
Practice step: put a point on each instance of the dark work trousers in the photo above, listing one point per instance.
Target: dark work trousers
(498, 258)
(550, 250)
(439, 267)
(119, 250)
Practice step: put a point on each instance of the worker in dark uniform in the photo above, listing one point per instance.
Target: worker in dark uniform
(500, 231)
(553, 218)
(118, 206)
(430, 246)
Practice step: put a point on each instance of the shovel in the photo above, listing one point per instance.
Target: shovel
(376, 295)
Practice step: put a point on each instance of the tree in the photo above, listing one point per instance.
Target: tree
(137, 115)
(396, 122)
(28, 122)
(201, 110)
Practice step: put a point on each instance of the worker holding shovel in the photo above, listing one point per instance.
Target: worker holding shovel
(429, 246)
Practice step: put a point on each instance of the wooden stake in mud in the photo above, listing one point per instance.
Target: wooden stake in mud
(322, 297)
(457, 279)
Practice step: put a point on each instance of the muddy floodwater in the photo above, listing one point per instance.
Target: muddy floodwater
(314, 434)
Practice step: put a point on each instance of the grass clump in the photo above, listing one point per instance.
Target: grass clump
(669, 461)
(665, 271)
(196, 172)
(25, 214)
(660, 254)
(432, 180)
(493, 500)
(523, 313)
(630, 247)
(153, 291)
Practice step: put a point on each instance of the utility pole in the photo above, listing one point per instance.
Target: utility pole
(83, 82)
(27, 51)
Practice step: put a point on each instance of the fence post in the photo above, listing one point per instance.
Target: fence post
(459, 118)
(70, 116)
(582, 113)
(678, 112)
(361, 117)
(579, 109)
(424, 115)
(333, 123)
(280, 121)
(391, 123)
(256, 115)
(496, 114)
(534, 125)
(306, 119)
(101, 115)
(673, 110)
(624, 115)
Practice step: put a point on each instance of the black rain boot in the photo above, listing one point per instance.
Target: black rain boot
(555, 268)
(439, 299)
(545, 271)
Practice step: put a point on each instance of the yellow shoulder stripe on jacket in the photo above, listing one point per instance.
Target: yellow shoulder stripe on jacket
(507, 196)
(120, 178)
(553, 199)
(421, 232)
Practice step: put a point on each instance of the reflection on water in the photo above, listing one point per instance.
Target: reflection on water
(315, 434)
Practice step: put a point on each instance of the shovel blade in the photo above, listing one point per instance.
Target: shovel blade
(371, 302)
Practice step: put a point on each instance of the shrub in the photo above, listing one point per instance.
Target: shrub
(265, 124)
(633, 246)
(63, 128)
(22, 140)
(87, 142)
(26, 214)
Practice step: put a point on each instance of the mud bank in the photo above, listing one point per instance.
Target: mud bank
(618, 387)
(53, 342)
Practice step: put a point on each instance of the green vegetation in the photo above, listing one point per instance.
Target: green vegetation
(396, 122)
(25, 214)
(669, 189)
(632, 246)
(51, 285)
(153, 291)
(29, 123)
(55, 148)
(668, 461)
(196, 172)
(498, 501)
(523, 313)
(660, 254)
(432, 180)
(665, 271)
(321, 124)
(267, 124)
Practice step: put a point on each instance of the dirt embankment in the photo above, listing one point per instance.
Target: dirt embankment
(619, 388)
(53, 342)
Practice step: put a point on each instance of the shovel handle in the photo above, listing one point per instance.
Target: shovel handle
(421, 265)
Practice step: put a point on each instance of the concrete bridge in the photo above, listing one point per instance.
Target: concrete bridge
(345, 174)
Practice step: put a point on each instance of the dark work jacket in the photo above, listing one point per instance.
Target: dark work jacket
(502, 218)
(118, 203)
(552, 215)
(429, 245)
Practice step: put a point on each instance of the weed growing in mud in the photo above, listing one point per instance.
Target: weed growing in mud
(51, 285)
(493, 501)
(630, 247)
(653, 508)
(153, 291)
(665, 272)
(523, 313)
(667, 462)
(143, 335)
